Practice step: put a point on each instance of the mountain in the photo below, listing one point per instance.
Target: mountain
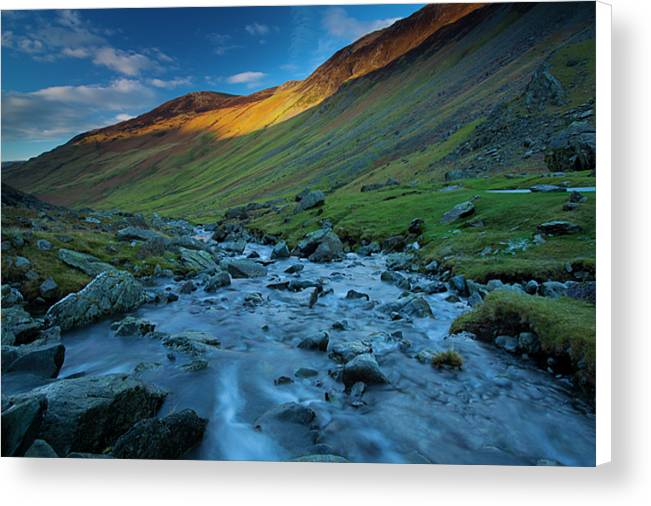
(453, 91)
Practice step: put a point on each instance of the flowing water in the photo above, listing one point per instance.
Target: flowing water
(498, 409)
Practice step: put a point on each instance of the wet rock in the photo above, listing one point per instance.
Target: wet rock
(41, 450)
(432, 267)
(553, 289)
(396, 279)
(197, 260)
(458, 284)
(363, 368)
(21, 422)
(167, 438)
(146, 366)
(253, 299)
(416, 307)
(306, 372)
(11, 297)
(355, 295)
(217, 281)
(573, 148)
(394, 243)
(340, 325)
(234, 247)
(40, 360)
(280, 250)
(292, 425)
(107, 294)
(188, 287)
(310, 200)
(88, 264)
(253, 255)
(462, 210)
(293, 269)
(507, 343)
(316, 343)
(191, 342)
(558, 227)
(321, 246)
(532, 287)
(132, 233)
(369, 249)
(18, 327)
(434, 287)
(243, 268)
(131, 326)
(347, 350)
(48, 289)
(88, 414)
(400, 261)
(475, 300)
(529, 342)
(44, 245)
(283, 380)
(546, 188)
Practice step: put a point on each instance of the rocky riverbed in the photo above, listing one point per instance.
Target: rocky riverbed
(278, 357)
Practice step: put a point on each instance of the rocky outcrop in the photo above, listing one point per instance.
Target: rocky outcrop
(573, 148)
(18, 327)
(543, 90)
(310, 200)
(88, 414)
(462, 210)
(197, 260)
(167, 438)
(107, 294)
(40, 360)
(88, 264)
(21, 422)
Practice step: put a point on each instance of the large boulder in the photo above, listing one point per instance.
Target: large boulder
(291, 425)
(280, 250)
(316, 343)
(197, 260)
(107, 294)
(88, 414)
(544, 89)
(396, 279)
(218, 280)
(21, 422)
(321, 246)
(310, 200)
(244, 268)
(40, 360)
(345, 351)
(573, 148)
(18, 327)
(363, 368)
(191, 342)
(462, 210)
(88, 264)
(167, 438)
(137, 233)
(558, 227)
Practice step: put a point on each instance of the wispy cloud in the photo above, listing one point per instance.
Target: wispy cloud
(249, 77)
(125, 62)
(339, 24)
(222, 43)
(256, 28)
(170, 83)
(68, 110)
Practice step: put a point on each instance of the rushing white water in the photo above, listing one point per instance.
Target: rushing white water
(498, 409)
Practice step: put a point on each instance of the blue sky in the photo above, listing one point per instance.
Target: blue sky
(65, 72)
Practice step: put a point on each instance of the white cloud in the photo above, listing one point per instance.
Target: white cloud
(339, 24)
(124, 62)
(249, 77)
(75, 52)
(67, 110)
(123, 117)
(256, 28)
(170, 83)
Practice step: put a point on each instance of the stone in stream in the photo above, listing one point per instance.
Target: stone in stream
(131, 326)
(344, 351)
(234, 247)
(532, 287)
(458, 284)
(432, 287)
(529, 342)
(18, 327)
(88, 414)
(11, 296)
(507, 343)
(306, 372)
(167, 438)
(41, 450)
(243, 268)
(21, 423)
(291, 425)
(88, 264)
(191, 342)
(40, 360)
(316, 343)
(293, 269)
(188, 287)
(417, 307)
(253, 299)
(558, 227)
(320, 246)
(107, 294)
(197, 260)
(280, 250)
(322, 458)
(218, 280)
(400, 261)
(353, 294)
(283, 380)
(396, 279)
(363, 368)
(368, 249)
(462, 210)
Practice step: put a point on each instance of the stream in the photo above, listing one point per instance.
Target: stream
(499, 409)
